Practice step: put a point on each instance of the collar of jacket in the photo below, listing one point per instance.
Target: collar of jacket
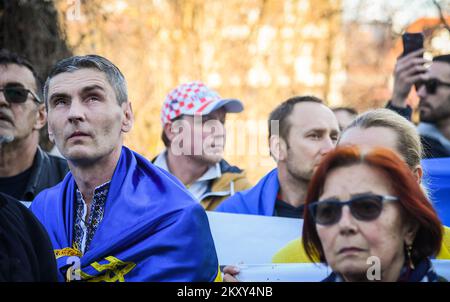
(38, 165)
(430, 130)
(224, 186)
(220, 187)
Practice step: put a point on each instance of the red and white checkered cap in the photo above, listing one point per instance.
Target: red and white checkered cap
(194, 98)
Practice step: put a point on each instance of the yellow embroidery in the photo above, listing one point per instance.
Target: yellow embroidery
(113, 271)
(68, 251)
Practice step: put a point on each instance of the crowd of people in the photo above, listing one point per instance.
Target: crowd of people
(103, 212)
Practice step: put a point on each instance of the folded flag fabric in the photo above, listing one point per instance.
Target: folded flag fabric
(152, 229)
(437, 182)
(259, 200)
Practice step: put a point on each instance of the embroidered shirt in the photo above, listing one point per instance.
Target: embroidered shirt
(85, 227)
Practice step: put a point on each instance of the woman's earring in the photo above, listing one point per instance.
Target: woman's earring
(410, 262)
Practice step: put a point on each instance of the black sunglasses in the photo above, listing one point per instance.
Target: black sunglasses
(17, 94)
(363, 207)
(431, 85)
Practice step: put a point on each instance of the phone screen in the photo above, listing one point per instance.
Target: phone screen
(412, 42)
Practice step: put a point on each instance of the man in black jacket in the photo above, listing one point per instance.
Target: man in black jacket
(433, 88)
(25, 169)
(26, 253)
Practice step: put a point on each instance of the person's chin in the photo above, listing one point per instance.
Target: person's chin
(78, 153)
(352, 267)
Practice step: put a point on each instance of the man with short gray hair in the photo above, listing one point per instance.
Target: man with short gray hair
(115, 217)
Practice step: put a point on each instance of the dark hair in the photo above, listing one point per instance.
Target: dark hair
(112, 72)
(8, 57)
(282, 112)
(415, 205)
(349, 110)
(442, 58)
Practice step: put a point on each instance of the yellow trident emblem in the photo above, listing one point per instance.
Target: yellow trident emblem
(113, 271)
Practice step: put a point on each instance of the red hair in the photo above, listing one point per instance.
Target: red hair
(414, 204)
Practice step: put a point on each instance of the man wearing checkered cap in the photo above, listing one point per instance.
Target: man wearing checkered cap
(193, 118)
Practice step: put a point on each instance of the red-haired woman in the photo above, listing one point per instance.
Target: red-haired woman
(368, 219)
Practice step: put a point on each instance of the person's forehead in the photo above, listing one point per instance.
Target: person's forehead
(440, 70)
(309, 115)
(354, 179)
(13, 73)
(77, 80)
(371, 137)
(343, 114)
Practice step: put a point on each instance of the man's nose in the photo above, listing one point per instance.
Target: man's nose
(328, 145)
(3, 101)
(76, 111)
(422, 92)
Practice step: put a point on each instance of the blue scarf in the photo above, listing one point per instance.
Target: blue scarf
(259, 200)
(152, 229)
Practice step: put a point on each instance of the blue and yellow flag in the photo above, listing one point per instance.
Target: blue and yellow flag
(152, 229)
(437, 181)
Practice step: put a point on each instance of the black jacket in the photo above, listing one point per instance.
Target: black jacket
(26, 253)
(431, 147)
(47, 171)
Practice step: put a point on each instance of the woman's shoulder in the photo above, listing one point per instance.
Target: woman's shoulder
(444, 252)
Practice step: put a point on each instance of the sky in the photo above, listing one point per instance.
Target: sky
(405, 11)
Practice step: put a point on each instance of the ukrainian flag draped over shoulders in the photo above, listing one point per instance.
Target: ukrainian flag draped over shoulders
(152, 229)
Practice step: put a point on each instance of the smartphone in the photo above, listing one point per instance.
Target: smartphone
(412, 42)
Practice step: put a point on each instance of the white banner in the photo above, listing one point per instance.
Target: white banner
(306, 272)
(251, 238)
(250, 242)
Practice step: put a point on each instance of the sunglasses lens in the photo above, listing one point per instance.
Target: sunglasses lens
(327, 212)
(367, 209)
(15, 95)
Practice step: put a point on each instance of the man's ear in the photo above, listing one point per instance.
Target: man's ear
(418, 173)
(128, 117)
(51, 137)
(167, 128)
(41, 117)
(278, 148)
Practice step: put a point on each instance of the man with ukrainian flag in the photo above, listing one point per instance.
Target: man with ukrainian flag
(115, 216)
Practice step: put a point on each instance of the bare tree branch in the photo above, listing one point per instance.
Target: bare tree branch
(441, 14)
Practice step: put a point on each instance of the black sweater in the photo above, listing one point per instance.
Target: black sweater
(26, 253)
